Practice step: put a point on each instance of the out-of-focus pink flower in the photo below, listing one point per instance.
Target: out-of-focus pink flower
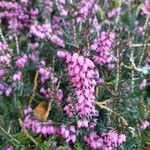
(10, 148)
(8, 91)
(145, 124)
(24, 1)
(146, 7)
(113, 12)
(143, 84)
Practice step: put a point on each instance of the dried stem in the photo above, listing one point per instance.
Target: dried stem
(74, 33)
(139, 45)
(144, 49)
(118, 14)
(132, 70)
(118, 71)
(112, 111)
(146, 22)
(27, 133)
(34, 88)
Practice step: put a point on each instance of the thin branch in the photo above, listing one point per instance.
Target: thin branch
(34, 88)
(74, 33)
(139, 45)
(132, 70)
(146, 22)
(27, 133)
(8, 134)
(17, 44)
(118, 70)
(124, 121)
(2, 36)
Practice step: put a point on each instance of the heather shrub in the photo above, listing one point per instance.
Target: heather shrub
(74, 75)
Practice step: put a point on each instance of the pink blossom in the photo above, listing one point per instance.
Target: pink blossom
(143, 84)
(17, 76)
(145, 124)
(146, 7)
(8, 91)
(22, 61)
(113, 12)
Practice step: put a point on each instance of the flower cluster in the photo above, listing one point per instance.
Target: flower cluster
(103, 47)
(17, 15)
(48, 128)
(48, 4)
(146, 7)
(33, 38)
(82, 73)
(85, 9)
(45, 31)
(112, 139)
(38, 127)
(70, 110)
(107, 141)
(45, 74)
(61, 6)
(47, 93)
(22, 61)
(93, 140)
(5, 62)
(68, 133)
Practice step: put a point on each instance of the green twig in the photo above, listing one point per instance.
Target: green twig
(9, 135)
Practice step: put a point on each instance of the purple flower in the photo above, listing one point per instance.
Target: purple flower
(22, 61)
(45, 31)
(107, 141)
(17, 76)
(82, 73)
(103, 46)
